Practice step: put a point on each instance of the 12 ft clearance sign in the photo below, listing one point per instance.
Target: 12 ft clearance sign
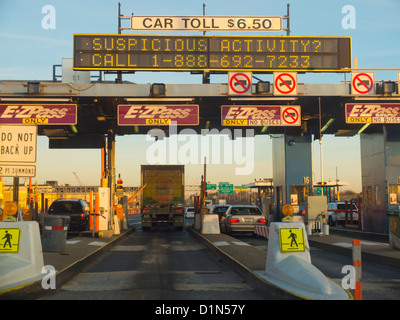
(285, 83)
(362, 83)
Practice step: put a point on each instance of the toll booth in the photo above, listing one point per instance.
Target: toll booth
(264, 195)
(329, 189)
(380, 169)
(292, 172)
(298, 195)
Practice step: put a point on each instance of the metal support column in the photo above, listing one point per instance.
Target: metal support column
(111, 174)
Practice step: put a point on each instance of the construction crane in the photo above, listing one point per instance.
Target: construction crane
(77, 178)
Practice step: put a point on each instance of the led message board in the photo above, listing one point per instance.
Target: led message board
(211, 53)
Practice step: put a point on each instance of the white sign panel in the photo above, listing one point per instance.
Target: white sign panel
(18, 151)
(398, 84)
(285, 83)
(291, 115)
(362, 83)
(206, 23)
(240, 83)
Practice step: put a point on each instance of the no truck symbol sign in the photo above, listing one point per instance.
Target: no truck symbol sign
(291, 115)
(285, 83)
(362, 83)
(239, 83)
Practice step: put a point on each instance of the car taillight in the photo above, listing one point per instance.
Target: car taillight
(179, 210)
(234, 220)
(82, 216)
(145, 211)
(261, 221)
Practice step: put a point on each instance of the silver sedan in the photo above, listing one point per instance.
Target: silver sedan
(241, 218)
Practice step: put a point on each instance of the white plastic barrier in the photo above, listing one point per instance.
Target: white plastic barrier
(210, 224)
(288, 265)
(21, 256)
(117, 223)
(197, 221)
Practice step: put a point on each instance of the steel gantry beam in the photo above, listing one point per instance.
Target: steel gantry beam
(322, 106)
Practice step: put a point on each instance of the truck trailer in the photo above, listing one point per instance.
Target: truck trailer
(163, 196)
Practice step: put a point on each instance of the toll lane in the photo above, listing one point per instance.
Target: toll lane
(379, 282)
(158, 265)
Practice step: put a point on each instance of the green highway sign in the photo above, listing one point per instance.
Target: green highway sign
(241, 188)
(225, 188)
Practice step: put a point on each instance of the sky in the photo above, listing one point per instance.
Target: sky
(28, 50)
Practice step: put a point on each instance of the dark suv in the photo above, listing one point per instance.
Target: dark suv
(77, 210)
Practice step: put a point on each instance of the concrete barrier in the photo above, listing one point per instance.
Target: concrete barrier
(288, 265)
(21, 256)
(210, 224)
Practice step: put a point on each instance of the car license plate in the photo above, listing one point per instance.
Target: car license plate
(248, 220)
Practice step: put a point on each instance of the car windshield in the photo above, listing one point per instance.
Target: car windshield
(342, 206)
(246, 211)
(190, 209)
(220, 210)
(65, 207)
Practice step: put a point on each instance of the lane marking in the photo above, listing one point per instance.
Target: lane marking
(97, 243)
(240, 243)
(221, 243)
(349, 245)
(72, 241)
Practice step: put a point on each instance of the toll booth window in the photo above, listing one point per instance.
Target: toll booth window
(377, 195)
(369, 195)
(342, 206)
(394, 193)
(302, 191)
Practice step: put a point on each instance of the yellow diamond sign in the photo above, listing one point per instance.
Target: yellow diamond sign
(291, 239)
(9, 240)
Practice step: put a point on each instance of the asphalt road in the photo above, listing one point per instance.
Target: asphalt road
(167, 265)
(161, 264)
(379, 282)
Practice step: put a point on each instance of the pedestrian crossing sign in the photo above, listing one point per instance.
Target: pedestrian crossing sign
(9, 240)
(291, 239)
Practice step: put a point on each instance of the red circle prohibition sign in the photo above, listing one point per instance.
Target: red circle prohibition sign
(362, 83)
(244, 85)
(288, 117)
(286, 84)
